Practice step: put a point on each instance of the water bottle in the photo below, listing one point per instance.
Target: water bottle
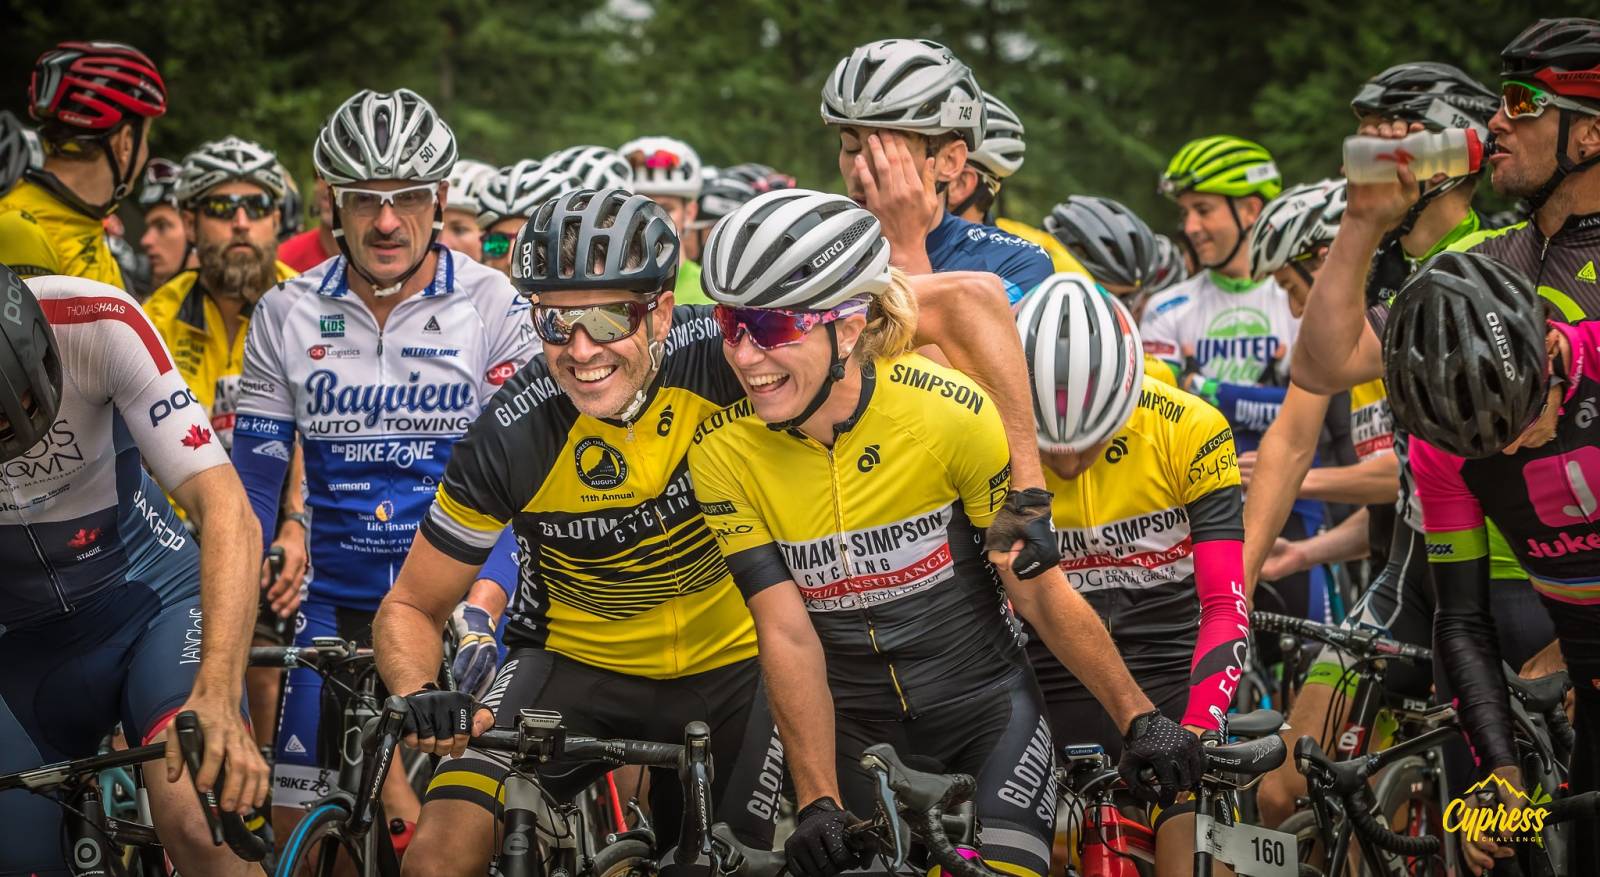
(1454, 152)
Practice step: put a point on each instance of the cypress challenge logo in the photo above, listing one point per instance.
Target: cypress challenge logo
(1523, 824)
(600, 465)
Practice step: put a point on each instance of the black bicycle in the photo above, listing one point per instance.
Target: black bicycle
(100, 844)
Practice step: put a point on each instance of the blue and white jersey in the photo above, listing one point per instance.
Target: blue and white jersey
(958, 245)
(376, 410)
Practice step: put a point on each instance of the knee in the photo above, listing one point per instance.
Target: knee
(441, 849)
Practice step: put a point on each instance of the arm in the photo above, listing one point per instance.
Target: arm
(967, 316)
(797, 687)
(1369, 482)
(1345, 542)
(264, 430)
(408, 629)
(1282, 459)
(1074, 633)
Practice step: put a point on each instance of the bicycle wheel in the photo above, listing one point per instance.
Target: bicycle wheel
(318, 844)
(1308, 844)
(1409, 801)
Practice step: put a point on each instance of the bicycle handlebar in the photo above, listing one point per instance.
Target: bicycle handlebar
(613, 752)
(226, 826)
(1360, 643)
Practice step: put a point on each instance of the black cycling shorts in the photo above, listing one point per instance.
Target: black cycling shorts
(747, 760)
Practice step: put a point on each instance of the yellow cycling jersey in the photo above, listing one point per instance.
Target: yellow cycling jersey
(617, 568)
(1059, 257)
(1371, 423)
(210, 362)
(1127, 525)
(881, 533)
(40, 234)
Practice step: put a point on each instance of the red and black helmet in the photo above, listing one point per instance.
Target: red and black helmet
(95, 86)
(1562, 55)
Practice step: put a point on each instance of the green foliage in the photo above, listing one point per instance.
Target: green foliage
(1107, 89)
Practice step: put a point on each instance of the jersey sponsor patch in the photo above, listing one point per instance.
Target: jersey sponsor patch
(600, 466)
(277, 450)
(875, 565)
(88, 309)
(196, 438)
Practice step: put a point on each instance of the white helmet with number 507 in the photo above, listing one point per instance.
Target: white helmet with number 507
(1085, 362)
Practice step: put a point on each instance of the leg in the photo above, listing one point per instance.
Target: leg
(454, 838)
(748, 786)
(30, 833)
(299, 776)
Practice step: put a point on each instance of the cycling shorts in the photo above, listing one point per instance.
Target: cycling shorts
(1001, 737)
(747, 759)
(123, 655)
(307, 750)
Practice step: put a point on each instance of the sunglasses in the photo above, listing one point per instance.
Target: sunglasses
(367, 203)
(259, 206)
(497, 244)
(1523, 101)
(604, 323)
(771, 328)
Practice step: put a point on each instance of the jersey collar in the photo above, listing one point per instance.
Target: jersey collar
(336, 282)
(1232, 284)
(869, 382)
(1468, 224)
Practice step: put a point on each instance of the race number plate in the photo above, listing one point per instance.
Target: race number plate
(1251, 850)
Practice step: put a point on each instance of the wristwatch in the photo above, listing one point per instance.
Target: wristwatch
(301, 518)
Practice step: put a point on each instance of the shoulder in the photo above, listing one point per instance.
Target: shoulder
(24, 244)
(925, 392)
(693, 358)
(735, 425)
(530, 402)
(282, 296)
(1489, 238)
(1176, 298)
(489, 291)
(88, 313)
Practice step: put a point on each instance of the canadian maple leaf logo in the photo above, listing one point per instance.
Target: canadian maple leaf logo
(84, 538)
(196, 437)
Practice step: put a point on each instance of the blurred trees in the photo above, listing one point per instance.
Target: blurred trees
(1107, 89)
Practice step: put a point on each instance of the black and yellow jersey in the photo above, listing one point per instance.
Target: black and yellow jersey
(882, 534)
(617, 567)
(40, 234)
(1128, 524)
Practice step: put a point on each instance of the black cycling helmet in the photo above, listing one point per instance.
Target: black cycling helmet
(610, 225)
(1464, 354)
(30, 365)
(1437, 95)
(1562, 56)
(1113, 244)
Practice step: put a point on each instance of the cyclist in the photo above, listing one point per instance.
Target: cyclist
(722, 194)
(1147, 511)
(977, 190)
(668, 171)
(1172, 265)
(1500, 406)
(909, 113)
(103, 600)
(583, 452)
(165, 242)
(910, 638)
(463, 203)
(506, 201)
(94, 102)
(376, 361)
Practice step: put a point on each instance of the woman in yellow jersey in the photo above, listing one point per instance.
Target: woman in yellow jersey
(848, 494)
(1148, 512)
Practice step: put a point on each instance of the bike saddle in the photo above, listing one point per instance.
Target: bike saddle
(919, 790)
(1252, 725)
(1247, 759)
(1540, 695)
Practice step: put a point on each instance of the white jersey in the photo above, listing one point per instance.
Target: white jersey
(1230, 331)
(77, 514)
(377, 410)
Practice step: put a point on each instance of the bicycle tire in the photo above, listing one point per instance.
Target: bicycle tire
(620, 858)
(1308, 844)
(1397, 785)
(316, 835)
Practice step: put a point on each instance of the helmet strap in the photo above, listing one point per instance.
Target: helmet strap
(657, 353)
(982, 197)
(122, 183)
(1238, 242)
(378, 289)
(1564, 165)
(834, 375)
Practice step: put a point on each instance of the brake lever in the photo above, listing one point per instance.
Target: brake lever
(889, 810)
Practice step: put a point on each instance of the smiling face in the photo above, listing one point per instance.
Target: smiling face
(603, 379)
(1210, 227)
(783, 381)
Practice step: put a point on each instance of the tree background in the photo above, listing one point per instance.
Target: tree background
(1107, 89)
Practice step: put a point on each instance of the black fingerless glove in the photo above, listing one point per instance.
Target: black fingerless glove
(1026, 517)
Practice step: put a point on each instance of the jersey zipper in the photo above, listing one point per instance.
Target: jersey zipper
(44, 559)
(844, 556)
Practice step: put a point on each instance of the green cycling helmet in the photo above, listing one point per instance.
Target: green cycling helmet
(1222, 165)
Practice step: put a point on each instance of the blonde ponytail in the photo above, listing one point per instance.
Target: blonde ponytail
(891, 321)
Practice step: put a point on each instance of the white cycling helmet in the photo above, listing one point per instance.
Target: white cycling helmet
(518, 190)
(596, 167)
(467, 180)
(906, 85)
(1085, 363)
(795, 249)
(384, 136)
(1001, 152)
(663, 166)
(231, 158)
(1295, 223)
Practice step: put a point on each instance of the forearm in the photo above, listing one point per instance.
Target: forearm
(1468, 647)
(294, 502)
(1333, 357)
(1282, 460)
(1369, 482)
(1345, 542)
(1224, 635)
(408, 644)
(488, 595)
(802, 705)
(969, 319)
(230, 551)
(1078, 638)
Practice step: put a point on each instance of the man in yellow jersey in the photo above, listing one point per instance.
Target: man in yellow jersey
(231, 190)
(93, 102)
(626, 617)
(974, 193)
